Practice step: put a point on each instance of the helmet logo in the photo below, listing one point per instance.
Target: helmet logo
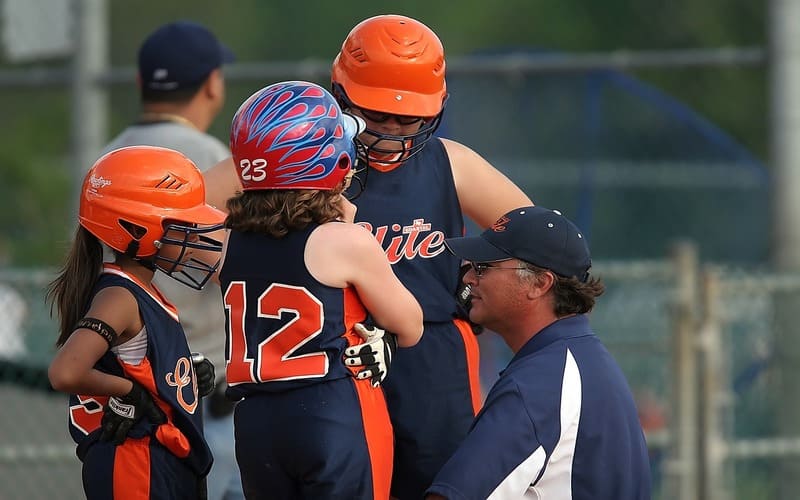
(98, 182)
(398, 97)
(95, 184)
(170, 181)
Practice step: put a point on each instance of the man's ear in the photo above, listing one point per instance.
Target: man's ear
(214, 86)
(541, 284)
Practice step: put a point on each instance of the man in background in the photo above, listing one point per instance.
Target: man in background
(182, 91)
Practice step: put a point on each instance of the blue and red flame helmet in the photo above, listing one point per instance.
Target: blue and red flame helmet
(293, 135)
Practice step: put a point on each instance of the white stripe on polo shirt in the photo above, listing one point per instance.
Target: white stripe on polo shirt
(556, 481)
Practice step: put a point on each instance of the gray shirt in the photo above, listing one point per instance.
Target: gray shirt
(203, 149)
(201, 312)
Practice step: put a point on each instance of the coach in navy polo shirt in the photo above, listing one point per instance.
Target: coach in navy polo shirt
(560, 422)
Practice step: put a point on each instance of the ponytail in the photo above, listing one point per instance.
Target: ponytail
(71, 290)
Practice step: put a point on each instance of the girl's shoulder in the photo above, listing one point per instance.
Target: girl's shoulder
(343, 234)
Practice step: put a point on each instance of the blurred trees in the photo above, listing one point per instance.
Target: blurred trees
(34, 186)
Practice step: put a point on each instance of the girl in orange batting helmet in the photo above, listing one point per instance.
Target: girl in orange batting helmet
(134, 385)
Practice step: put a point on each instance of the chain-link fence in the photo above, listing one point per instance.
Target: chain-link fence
(37, 458)
(750, 445)
(631, 206)
(716, 436)
(622, 143)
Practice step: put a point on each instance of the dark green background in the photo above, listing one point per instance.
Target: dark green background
(35, 186)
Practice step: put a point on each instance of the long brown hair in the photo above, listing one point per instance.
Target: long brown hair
(276, 212)
(571, 295)
(71, 290)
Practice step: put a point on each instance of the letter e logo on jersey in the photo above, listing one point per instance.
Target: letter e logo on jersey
(183, 377)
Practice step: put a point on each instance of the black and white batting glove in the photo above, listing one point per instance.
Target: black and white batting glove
(374, 355)
(464, 299)
(205, 373)
(122, 412)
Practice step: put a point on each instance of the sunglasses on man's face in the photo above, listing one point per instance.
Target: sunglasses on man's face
(380, 117)
(480, 268)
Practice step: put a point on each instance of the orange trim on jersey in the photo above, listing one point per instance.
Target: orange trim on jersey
(374, 412)
(473, 362)
(380, 438)
(132, 470)
(353, 312)
(167, 433)
(157, 296)
(143, 374)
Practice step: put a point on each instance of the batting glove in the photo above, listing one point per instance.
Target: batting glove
(121, 413)
(204, 371)
(464, 299)
(374, 355)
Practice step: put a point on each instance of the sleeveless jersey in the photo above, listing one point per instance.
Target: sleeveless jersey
(411, 210)
(201, 311)
(285, 329)
(166, 367)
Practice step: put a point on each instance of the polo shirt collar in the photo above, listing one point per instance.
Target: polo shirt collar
(569, 327)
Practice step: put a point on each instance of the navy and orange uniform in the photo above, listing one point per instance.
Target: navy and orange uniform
(305, 427)
(432, 389)
(155, 461)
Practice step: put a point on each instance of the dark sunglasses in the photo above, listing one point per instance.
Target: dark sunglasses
(479, 268)
(380, 117)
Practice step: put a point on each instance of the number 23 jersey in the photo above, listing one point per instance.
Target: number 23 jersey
(284, 328)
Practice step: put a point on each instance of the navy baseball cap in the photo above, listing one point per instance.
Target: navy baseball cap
(179, 55)
(536, 235)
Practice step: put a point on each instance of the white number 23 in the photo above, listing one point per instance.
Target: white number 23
(253, 171)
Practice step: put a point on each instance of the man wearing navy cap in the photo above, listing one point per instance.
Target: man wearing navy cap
(182, 91)
(560, 422)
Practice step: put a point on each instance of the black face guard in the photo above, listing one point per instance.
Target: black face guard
(193, 273)
(358, 183)
(389, 149)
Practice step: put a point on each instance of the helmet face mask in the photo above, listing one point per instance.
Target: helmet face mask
(173, 262)
(293, 135)
(386, 149)
(356, 181)
(130, 193)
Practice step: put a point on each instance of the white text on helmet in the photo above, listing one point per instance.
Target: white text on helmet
(258, 167)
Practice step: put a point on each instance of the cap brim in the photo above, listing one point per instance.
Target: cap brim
(475, 249)
(227, 54)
